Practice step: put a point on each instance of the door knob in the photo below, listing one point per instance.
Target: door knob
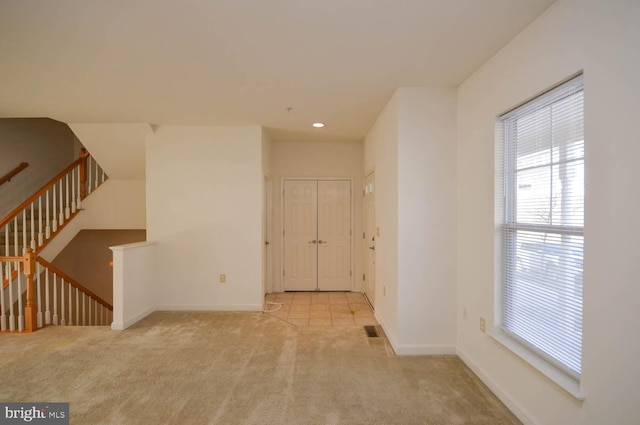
(321, 241)
(313, 241)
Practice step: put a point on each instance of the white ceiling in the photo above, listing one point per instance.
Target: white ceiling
(242, 62)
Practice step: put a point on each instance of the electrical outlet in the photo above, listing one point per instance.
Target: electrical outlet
(377, 231)
(483, 327)
(464, 313)
(223, 278)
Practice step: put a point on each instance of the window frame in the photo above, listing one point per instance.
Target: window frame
(507, 228)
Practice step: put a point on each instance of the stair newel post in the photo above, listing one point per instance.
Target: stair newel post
(83, 174)
(30, 311)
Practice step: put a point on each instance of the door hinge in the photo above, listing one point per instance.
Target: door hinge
(350, 273)
(364, 277)
(363, 235)
(282, 272)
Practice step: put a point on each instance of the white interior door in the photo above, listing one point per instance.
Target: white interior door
(334, 235)
(300, 235)
(370, 239)
(317, 235)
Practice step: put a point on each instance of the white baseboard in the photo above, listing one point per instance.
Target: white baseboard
(425, 350)
(512, 405)
(415, 349)
(223, 307)
(120, 326)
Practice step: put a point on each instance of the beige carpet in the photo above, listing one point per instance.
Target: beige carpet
(238, 368)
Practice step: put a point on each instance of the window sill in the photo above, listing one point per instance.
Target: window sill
(564, 381)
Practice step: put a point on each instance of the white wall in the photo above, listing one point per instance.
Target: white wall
(118, 204)
(119, 148)
(381, 156)
(204, 210)
(412, 148)
(319, 159)
(48, 147)
(601, 39)
(134, 280)
(426, 220)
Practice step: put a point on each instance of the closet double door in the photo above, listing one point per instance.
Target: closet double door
(317, 235)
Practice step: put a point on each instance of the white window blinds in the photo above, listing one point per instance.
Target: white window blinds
(542, 181)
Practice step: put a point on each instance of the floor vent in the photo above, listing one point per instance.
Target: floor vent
(371, 331)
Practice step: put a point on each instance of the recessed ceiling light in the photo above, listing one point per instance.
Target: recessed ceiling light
(318, 124)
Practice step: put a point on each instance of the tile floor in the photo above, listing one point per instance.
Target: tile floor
(322, 308)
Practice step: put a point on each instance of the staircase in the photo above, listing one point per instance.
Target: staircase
(34, 293)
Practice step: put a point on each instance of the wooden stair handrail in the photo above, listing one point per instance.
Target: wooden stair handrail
(73, 282)
(11, 174)
(17, 210)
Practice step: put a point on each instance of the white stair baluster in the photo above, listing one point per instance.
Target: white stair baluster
(32, 243)
(63, 311)
(54, 211)
(55, 299)
(40, 234)
(73, 191)
(90, 317)
(69, 287)
(39, 295)
(47, 224)
(77, 307)
(16, 230)
(47, 308)
(67, 205)
(79, 201)
(12, 317)
(7, 230)
(24, 232)
(3, 310)
(84, 317)
(61, 208)
(89, 176)
(97, 172)
(20, 307)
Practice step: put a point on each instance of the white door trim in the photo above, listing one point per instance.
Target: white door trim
(352, 221)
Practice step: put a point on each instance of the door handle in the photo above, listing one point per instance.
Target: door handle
(321, 241)
(372, 247)
(313, 241)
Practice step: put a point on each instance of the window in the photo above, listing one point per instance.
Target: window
(541, 222)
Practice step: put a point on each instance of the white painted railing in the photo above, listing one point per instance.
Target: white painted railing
(34, 222)
(51, 297)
